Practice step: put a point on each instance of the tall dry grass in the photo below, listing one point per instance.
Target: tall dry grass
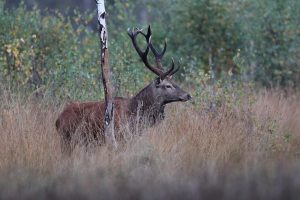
(245, 151)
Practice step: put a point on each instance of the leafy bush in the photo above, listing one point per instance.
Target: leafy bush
(272, 38)
(48, 50)
(206, 32)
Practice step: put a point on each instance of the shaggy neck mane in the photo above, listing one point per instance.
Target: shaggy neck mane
(147, 104)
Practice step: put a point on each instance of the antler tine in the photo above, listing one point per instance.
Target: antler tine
(169, 72)
(158, 55)
(149, 34)
(174, 71)
(132, 34)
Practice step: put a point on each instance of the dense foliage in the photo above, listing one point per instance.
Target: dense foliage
(47, 50)
(227, 40)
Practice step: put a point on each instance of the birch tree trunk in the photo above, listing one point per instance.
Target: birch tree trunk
(109, 111)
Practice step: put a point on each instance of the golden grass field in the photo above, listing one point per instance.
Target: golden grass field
(245, 151)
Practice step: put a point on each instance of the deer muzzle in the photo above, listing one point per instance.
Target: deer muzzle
(186, 97)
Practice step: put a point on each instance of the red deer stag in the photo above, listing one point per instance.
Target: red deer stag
(150, 102)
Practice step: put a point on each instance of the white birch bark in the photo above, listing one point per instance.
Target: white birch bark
(109, 114)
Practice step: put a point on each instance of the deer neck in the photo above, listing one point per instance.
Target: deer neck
(147, 104)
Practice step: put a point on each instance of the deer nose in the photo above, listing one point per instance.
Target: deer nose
(186, 97)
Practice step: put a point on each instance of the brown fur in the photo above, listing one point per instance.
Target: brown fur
(91, 116)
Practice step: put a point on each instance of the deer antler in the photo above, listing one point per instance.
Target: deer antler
(158, 70)
(132, 34)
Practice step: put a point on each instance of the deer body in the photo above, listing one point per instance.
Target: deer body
(148, 104)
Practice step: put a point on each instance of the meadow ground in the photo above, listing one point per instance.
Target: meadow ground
(247, 150)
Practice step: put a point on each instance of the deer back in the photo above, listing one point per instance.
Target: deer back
(91, 116)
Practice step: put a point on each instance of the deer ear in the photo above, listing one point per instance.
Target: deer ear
(158, 81)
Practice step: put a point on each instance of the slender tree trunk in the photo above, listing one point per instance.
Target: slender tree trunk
(212, 103)
(109, 112)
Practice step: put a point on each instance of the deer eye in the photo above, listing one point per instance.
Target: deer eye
(168, 86)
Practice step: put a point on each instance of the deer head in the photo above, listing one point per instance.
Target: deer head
(163, 89)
